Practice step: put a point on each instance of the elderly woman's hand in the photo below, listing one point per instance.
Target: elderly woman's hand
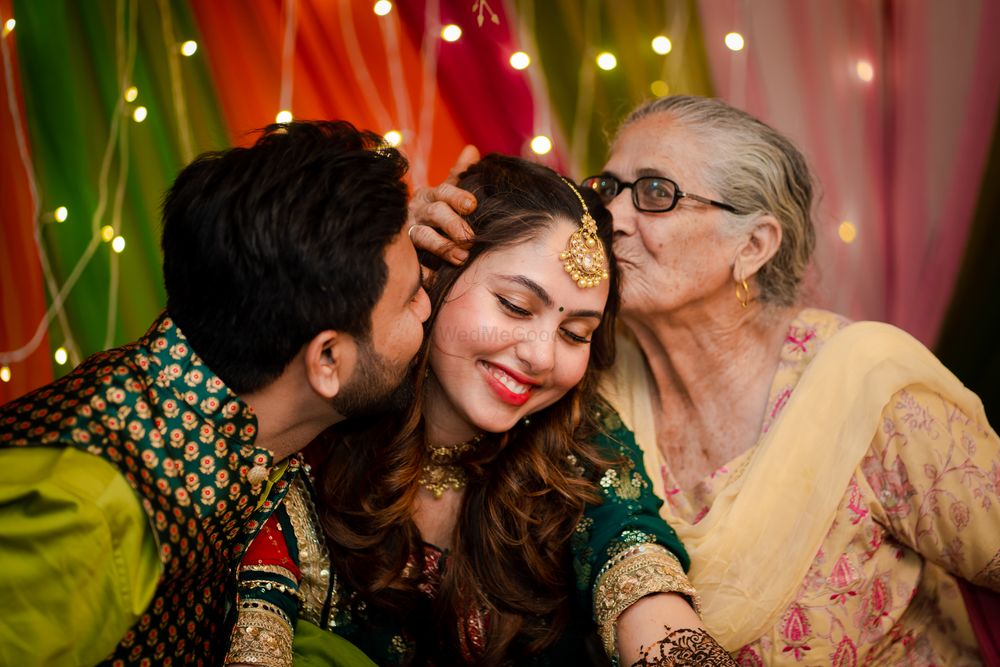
(435, 222)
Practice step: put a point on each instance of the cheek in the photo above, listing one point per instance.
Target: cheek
(458, 329)
(571, 368)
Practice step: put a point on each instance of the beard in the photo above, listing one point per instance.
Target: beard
(376, 387)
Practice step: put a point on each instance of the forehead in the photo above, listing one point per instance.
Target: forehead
(538, 259)
(657, 144)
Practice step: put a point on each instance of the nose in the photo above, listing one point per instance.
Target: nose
(536, 351)
(622, 212)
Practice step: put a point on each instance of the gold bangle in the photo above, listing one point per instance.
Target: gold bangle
(631, 575)
(262, 636)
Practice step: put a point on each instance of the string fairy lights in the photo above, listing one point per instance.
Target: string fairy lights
(396, 116)
(126, 39)
(541, 145)
(520, 60)
(662, 45)
(607, 61)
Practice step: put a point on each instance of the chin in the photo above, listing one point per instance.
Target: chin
(496, 423)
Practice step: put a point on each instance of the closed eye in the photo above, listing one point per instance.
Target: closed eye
(575, 338)
(511, 308)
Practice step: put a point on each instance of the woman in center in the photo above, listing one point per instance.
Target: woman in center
(506, 516)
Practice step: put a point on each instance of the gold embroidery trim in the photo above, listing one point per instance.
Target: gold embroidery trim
(314, 559)
(631, 575)
(262, 636)
(270, 569)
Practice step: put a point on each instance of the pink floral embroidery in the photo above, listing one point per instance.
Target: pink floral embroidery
(779, 403)
(855, 502)
(891, 486)
(747, 657)
(846, 654)
(798, 341)
(795, 632)
(842, 580)
(874, 607)
(915, 416)
(960, 515)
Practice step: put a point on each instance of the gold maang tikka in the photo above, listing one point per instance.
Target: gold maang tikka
(584, 259)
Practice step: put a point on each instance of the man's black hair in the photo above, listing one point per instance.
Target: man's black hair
(264, 247)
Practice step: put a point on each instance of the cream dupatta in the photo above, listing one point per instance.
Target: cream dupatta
(752, 551)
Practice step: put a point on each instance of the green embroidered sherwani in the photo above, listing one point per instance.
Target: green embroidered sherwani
(125, 505)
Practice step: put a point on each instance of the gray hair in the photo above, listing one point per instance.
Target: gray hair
(759, 172)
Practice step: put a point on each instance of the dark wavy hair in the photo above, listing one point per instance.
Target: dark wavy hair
(266, 246)
(526, 492)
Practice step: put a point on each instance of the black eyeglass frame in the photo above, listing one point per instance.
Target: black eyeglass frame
(679, 194)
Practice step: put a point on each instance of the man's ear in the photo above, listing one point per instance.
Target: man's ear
(329, 360)
(758, 248)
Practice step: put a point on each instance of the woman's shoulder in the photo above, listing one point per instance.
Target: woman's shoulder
(613, 438)
(809, 331)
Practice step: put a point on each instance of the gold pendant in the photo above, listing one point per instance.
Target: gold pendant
(438, 478)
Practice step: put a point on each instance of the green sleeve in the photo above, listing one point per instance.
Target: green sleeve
(629, 513)
(315, 647)
(79, 560)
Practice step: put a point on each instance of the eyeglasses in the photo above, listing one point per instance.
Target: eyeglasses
(652, 194)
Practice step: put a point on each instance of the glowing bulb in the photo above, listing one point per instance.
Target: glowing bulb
(284, 116)
(451, 33)
(8, 28)
(5, 373)
(847, 231)
(383, 7)
(189, 47)
(734, 41)
(393, 137)
(139, 114)
(131, 93)
(662, 45)
(541, 144)
(107, 233)
(659, 88)
(61, 214)
(118, 243)
(865, 71)
(607, 61)
(61, 356)
(520, 60)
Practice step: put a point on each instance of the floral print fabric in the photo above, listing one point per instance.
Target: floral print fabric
(921, 509)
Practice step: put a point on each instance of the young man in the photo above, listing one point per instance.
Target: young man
(130, 487)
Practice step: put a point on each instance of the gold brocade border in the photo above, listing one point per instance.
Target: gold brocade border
(270, 569)
(262, 636)
(631, 575)
(314, 559)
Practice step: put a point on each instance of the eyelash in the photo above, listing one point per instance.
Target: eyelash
(517, 311)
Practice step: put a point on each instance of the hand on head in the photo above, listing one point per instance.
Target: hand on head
(435, 219)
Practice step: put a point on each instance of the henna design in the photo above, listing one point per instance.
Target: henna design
(685, 646)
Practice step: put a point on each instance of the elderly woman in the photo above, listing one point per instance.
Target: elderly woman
(831, 480)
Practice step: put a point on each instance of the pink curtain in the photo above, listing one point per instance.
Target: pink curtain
(893, 103)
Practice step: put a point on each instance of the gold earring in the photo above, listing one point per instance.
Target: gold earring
(744, 296)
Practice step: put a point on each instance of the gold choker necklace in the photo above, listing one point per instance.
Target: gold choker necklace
(443, 472)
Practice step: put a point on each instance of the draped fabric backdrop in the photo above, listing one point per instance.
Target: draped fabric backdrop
(894, 103)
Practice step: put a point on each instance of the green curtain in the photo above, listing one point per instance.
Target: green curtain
(104, 167)
(588, 102)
